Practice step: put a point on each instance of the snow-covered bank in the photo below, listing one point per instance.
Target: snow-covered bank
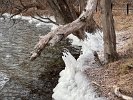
(73, 84)
(32, 20)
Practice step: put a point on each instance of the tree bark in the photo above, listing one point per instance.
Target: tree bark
(65, 12)
(109, 35)
(63, 31)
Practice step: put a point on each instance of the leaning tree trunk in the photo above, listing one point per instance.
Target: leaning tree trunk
(65, 12)
(109, 35)
(63, 31)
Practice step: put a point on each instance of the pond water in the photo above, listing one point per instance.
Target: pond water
(21, 79)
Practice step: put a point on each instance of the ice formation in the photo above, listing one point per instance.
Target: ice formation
(32, 20)
(3, 79)
(73, 84)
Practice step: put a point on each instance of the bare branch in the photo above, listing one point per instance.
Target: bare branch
(22, 3)
(23, 8)
(63, 31)
(49, 20)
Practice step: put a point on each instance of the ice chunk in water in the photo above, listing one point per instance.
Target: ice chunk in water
(3, 79)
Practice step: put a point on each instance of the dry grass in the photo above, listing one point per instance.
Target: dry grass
(115, 74)
(123, 23)
(118, 73)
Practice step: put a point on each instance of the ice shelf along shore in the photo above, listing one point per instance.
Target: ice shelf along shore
(32, 20)
(73, 83)
(4, 78)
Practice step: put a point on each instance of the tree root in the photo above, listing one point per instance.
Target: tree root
(119, 94)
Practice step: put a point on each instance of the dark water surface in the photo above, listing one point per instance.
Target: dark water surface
(27, 80)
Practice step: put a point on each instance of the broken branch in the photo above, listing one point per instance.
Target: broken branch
(48, 19)
(63, 31)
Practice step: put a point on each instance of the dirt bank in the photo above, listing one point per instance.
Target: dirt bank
(119, 73)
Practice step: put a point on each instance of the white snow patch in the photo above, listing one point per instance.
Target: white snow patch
(32, 20)
(73, 84)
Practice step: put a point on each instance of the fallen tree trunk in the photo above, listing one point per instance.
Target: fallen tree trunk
(63, 31)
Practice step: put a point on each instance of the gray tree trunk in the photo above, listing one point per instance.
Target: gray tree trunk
(109, 35)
